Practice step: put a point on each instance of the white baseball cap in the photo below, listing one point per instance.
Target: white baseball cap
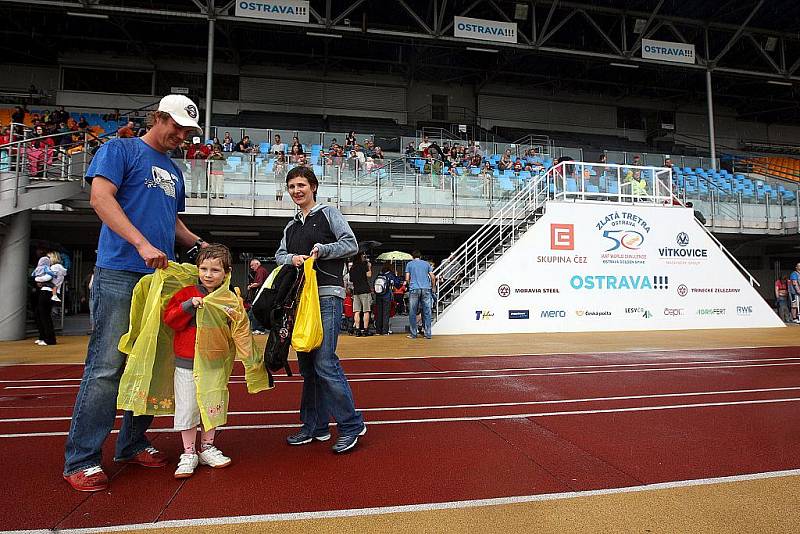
(181, 109)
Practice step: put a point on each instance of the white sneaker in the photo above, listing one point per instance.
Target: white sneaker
(38, 342)
(41, 343)
(213, 457)
(186, 465)
(55, 298)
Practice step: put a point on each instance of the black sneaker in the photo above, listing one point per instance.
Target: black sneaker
(345, 443)
(301, 438)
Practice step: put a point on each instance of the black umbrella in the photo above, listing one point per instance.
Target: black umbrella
(368, 245)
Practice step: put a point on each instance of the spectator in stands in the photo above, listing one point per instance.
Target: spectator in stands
(357, 160)
(197, 155)
(227, 143)
(603, 159)
(517, 167)
(350, 140)
(216, 172)
(360, 276)
(5, 135)
(505, 161)
(130, 124)
(369, 148)
(280, 170)
(475, 160)
(782, 299)
(83, 123)
(423, 146)
(296, 143)
(410, 150)
(296, 154)
(40, 153)
(259, 276)
(487, 179)
(637, 160)
(374, 161)
(278, 146)
(124, 132)
(668, 162)
(245, 146)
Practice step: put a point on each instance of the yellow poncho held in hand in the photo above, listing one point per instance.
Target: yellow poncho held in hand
(223, 334)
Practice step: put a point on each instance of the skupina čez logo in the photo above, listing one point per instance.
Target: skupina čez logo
(625, 234)
(683, 253)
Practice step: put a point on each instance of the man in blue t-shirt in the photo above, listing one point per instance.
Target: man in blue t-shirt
(421, 281)
(794, 293)
(137, 192)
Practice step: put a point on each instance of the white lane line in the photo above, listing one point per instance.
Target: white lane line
(471, 406)
(422, 507)
(498, 370)
(463, 419)
(477, 377)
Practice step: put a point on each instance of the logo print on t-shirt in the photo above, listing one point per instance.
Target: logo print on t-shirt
(162, 179)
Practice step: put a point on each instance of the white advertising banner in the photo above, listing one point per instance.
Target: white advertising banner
(592, 267)
(485, 30)
(667, 51)
(290, 10)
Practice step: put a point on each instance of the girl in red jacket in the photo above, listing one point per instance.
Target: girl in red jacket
(213, 263)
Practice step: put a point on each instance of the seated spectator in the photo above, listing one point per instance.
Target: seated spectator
(215, 144)
(5, 136)
(603, 159)
(475, 160)
(227, 143)
(245, 146)
(410, 150)
(278, 146)
(124, 132)
(517, 168)
(505, 161)
(637, 160)
(668, 162)
(356, 159)
(297, 147)
(296, 153)
(332, 144)
(83, 123)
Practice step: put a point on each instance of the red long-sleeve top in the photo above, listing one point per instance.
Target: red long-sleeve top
(180, 316)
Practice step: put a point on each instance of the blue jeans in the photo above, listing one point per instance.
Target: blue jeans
(415, 296)
(326, 392)
(96, 405)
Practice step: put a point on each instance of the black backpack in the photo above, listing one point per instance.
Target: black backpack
(275, 307)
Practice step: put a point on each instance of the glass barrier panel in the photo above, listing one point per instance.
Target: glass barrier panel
(308, 140)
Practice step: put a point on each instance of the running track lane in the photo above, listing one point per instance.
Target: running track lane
(434, 461)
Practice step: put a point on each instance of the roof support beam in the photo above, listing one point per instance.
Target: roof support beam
(602, 33)
(346, 12)
(418, 18)
(738, 33)
(638, 42)
(547, 23)
(507, 19)
(462, 14)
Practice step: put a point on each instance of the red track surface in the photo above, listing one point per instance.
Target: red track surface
(572, 433)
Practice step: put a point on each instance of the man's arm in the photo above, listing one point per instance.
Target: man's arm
(104, 202)
(433, 279)
(184, 236)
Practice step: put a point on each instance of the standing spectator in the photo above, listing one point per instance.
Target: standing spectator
(420, 280)
(321, 232)
(383, 286)
(197, 155)
(259, 277)
(794, 291)
(279, 169)
(668, 162)
(782, 299)
(43, 305)
(487, 179)
(360, 275)
(137, 191)
(216, 173)
(423, 145)
(40, 153)
(350, 140)
(278, 146)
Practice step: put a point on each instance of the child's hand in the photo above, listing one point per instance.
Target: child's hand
(197, 302)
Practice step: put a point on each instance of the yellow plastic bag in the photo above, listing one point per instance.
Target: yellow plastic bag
(307, 333)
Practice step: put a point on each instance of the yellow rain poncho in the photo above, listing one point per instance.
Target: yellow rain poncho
(223, 334)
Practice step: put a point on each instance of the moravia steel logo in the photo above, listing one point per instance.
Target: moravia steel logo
(504, 290)
(618, 282)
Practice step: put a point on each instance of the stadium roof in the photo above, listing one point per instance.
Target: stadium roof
(562, 45)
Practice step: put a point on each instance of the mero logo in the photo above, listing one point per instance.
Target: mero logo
(682, 239)
(562, 237)
(683, 290)
(504, 290)
(552, 314)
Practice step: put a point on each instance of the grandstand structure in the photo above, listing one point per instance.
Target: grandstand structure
(573, 85)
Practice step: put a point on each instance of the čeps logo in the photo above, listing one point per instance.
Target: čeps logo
(625, 233)
(618, 283)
